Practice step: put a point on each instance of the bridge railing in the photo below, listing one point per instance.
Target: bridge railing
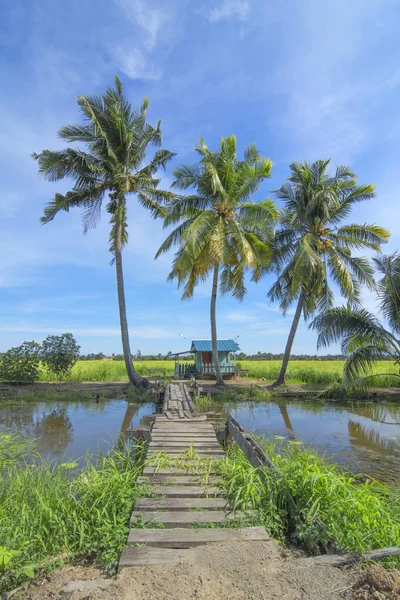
(225, 369)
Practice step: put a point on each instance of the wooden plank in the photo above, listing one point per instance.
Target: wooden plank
(186, 491)
(249, 447)
(149, 471)
(183, 437)
(184, 427)
(200, 421)
(185, 452)
(338, 560)
(134, 557)
(184, 518)
(187, 538)
(196, 419)
(181, 414)
(176, 480)
(193, 422)
(186, 444)
(147, 504)
(201, 455)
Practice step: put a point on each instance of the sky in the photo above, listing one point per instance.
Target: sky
(304, 80)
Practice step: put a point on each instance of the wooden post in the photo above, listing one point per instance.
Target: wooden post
(228, 436)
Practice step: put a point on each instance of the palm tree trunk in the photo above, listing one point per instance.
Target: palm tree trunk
(214, 338)
(134, 378)
(282, 375)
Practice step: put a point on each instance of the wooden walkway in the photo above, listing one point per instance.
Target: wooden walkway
(179, 467)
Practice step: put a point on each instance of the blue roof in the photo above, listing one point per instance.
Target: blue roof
(222, 345)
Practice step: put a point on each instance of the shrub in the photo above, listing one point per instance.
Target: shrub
(357, 516)
(49, 511)
(20, 364)
(59, 354)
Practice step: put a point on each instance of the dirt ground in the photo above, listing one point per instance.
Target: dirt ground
(234, 571)
(118, 390)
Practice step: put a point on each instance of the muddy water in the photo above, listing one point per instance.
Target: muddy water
(364, 437)
(66, 430)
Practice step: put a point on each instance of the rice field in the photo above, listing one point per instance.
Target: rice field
(312, 372)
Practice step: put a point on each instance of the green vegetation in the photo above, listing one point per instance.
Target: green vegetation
(50, 513)
(115, 139)
(313, 372)
(221, 230)
(311, 250)
(59, 353)
(362, 335)
(304, 490)
(20, 364)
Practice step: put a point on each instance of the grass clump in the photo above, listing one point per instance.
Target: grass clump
(309, 372)
(304, 490)
(49, 513)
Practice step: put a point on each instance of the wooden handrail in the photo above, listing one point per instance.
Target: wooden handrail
(250, 448)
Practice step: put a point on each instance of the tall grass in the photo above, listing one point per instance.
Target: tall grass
(304, 490)
(49, 512)
(312, 372)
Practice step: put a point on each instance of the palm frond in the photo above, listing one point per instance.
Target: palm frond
(362, 236)
(344, 324)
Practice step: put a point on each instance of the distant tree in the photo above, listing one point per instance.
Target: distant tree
(59, 353)
(220, 231)
(311, 250)
(116, 138)
(364, 339)
(20, 365)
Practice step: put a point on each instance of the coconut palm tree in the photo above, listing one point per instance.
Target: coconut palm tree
(363, 337)
(312, 250)
(112, 163)
(221, 231)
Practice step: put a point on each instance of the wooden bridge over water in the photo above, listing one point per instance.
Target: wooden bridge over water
(187, 508)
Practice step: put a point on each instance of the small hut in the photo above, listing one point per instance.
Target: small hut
(198, 361)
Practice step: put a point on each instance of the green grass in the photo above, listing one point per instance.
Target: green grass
(312, 372)
(304, 488)
(50, 513)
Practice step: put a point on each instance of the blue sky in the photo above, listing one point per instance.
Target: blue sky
(303, 79)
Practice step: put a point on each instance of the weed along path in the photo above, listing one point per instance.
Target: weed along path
(185, 508)
(186, 541)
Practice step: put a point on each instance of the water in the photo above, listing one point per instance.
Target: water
(364, 437)
(67, 430)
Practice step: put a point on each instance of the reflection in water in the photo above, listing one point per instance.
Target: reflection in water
(286, 420)
(68, 430)
(363, 437)
(381, 413)
(53, 431)
(368, 438)
(131, 411)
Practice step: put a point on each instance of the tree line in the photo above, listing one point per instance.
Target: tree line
(240, 356)
(220, 230)
(57, 354)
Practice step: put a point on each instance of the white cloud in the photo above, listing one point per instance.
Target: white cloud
(230, 9)
(149, 20)
(273, 308)
(145, 332)
(135, 65)
(329, 96)
(240, 317)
